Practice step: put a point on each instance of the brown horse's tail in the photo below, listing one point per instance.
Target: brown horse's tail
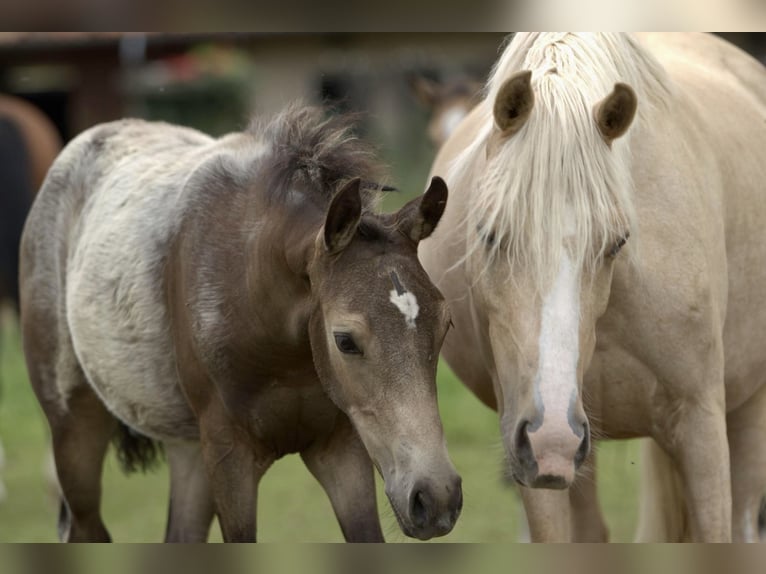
(135, 451)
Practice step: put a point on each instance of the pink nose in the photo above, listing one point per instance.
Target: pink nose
(551, 454)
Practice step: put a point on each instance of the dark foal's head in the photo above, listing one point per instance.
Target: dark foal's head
(376, 329)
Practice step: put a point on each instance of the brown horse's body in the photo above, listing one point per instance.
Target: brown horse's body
(42, 140)
(216, 295)
(670, 333)
(30, 144)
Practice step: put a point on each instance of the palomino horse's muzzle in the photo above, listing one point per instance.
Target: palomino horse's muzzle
(548, 456)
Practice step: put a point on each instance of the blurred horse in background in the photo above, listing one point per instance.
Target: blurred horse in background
(570, 330)
(448, 103)
(29, 143)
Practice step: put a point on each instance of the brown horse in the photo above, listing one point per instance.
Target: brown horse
(570, 330)
(448, 103)
(237, 299)
(29, 143)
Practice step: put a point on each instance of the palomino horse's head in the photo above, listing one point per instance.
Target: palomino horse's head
(377, 326)
(546, 243)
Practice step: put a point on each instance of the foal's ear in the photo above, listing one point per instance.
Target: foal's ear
(615, 112)
(343, 217)
(418, 219)
(514, 102)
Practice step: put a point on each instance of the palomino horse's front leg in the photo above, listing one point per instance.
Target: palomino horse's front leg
(234, 470)
(191, 508)
(342, 466)
(697, 442)
(746, 428)
(588, 524)
(548, 510)
(548, 514)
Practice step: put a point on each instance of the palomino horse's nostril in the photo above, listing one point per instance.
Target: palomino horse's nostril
(584, 448)
(522, 444)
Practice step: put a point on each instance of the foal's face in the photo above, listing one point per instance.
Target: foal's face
(376, 331)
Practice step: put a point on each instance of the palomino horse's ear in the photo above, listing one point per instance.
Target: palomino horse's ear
(418, 219)
(615, 112)
(343, 217)
(514, 102)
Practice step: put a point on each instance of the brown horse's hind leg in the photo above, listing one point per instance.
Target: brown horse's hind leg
(746, 428)
(191, 503)
(343, 468)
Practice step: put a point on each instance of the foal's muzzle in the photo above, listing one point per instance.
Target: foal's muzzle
(430, 507)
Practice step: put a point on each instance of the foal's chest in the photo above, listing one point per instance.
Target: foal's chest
(286, 415)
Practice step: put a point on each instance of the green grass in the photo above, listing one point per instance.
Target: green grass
(291, 506)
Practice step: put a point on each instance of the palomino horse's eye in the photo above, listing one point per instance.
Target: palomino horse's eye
(617, 246)
(345, 344)
(487, 236)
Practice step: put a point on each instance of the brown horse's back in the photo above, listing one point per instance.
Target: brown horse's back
(40, 135)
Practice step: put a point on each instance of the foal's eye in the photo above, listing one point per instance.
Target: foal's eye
(345, 344)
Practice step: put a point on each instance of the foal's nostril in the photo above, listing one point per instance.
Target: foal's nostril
(584, 448)
(459, 505)
(419, 508)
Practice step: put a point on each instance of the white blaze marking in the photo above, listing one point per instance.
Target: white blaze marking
(407, 303)
(559, 341)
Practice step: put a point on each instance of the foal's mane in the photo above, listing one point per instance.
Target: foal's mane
(556, 177)
(315, 151)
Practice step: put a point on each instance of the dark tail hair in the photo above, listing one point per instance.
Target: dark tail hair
(136, 452)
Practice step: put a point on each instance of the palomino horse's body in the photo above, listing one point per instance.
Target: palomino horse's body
(220, 296)
(582, 141)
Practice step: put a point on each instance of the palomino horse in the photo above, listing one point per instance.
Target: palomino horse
(448, 102)
(238, 300)
(581, 142)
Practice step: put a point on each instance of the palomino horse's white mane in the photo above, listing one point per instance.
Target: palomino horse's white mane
(556, 177)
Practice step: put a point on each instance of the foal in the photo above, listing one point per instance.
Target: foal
(239, 300)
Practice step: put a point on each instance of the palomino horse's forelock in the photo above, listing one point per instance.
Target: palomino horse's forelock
(557, 168)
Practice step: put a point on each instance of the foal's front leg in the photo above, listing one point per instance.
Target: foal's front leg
(191, 508)
(234, 469)
(342, 466)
